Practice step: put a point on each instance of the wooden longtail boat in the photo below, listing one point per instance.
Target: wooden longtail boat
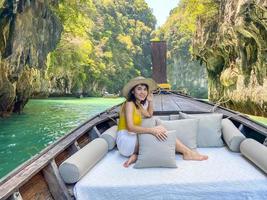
(39, 178)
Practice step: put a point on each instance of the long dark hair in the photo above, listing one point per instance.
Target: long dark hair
(131, 97)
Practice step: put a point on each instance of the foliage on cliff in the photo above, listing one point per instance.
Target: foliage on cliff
(179, 29)
(104, 43)
(229, 38)
(70, 47)
(29, 30)
(233, 47)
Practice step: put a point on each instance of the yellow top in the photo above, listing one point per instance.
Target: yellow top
(137, 118)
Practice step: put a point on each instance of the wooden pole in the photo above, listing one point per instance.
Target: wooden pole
(159, 71)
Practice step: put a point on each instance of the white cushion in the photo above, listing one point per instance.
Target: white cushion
(209, 130)
(163, 117)
(149, 122)
(110, 135)
(174, 117)
(186, 130)
(156, 153)
(256, 152)
(231, 135)
(76, 166)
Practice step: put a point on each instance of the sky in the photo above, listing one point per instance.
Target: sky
(161, 9)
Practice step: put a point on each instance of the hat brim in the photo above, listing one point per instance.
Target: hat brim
(152, 85)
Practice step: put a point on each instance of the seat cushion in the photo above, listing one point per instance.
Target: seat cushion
(110, 135)
(224, 176)
(149, 122)
(156, 153)
(231, 135)
(186, 130)
(255, 152)
(209, 129)
(72, 169)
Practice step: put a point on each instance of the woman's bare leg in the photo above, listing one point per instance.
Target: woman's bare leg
(188, 154)
(131, 160)
(133, 157)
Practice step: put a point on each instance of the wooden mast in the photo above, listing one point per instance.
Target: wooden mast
(158, 53)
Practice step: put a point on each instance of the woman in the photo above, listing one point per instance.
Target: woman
(139, 104)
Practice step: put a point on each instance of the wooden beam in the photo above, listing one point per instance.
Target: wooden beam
(55, 183)
(158, 55)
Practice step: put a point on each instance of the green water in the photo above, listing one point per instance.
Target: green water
(41, 123)
(262, 120)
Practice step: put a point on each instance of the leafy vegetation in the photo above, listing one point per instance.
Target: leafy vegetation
(178, 31)
(104, 43)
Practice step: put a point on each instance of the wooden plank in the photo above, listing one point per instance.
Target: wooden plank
(187, 105)
(60, 158)
(83, 140)
(27, 172)
(35, 189)
(55, 183)
(168, 104)
(15, 196)
(159, 51)
(157, 103)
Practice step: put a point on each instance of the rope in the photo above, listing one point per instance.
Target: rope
(218, 103)
(113, 120)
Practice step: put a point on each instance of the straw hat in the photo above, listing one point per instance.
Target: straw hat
(152, 85)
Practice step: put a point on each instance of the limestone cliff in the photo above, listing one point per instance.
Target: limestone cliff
(234, 48)
(28, 32)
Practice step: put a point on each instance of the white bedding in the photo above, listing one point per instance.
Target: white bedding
(225, 175)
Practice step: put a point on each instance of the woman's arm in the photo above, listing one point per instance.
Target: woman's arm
(149, 111)
(150, 104)
(158, 131)
(129, 109)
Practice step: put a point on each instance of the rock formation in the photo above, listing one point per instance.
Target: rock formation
(28, 32)
(234, 48)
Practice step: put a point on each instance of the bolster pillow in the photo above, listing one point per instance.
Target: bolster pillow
(110, 136)
(231, 135)
(256, 152)
(174, 117)
(76, 166)
(149, 122)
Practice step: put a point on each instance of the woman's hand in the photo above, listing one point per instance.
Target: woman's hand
(149, 97)
(160, 132)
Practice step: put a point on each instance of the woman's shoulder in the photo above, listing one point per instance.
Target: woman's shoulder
(129, 103)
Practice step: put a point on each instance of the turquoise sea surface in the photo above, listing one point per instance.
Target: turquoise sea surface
(42, 122)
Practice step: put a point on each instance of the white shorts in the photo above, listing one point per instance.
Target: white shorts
(126, 142)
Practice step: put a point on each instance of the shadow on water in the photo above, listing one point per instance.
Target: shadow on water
(41, 123)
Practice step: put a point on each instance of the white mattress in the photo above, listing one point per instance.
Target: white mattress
(225, 175)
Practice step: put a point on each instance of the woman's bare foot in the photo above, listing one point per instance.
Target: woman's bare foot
(194, 156)
(131, 160)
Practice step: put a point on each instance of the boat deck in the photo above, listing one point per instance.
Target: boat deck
(174, 102)
(40, 176)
